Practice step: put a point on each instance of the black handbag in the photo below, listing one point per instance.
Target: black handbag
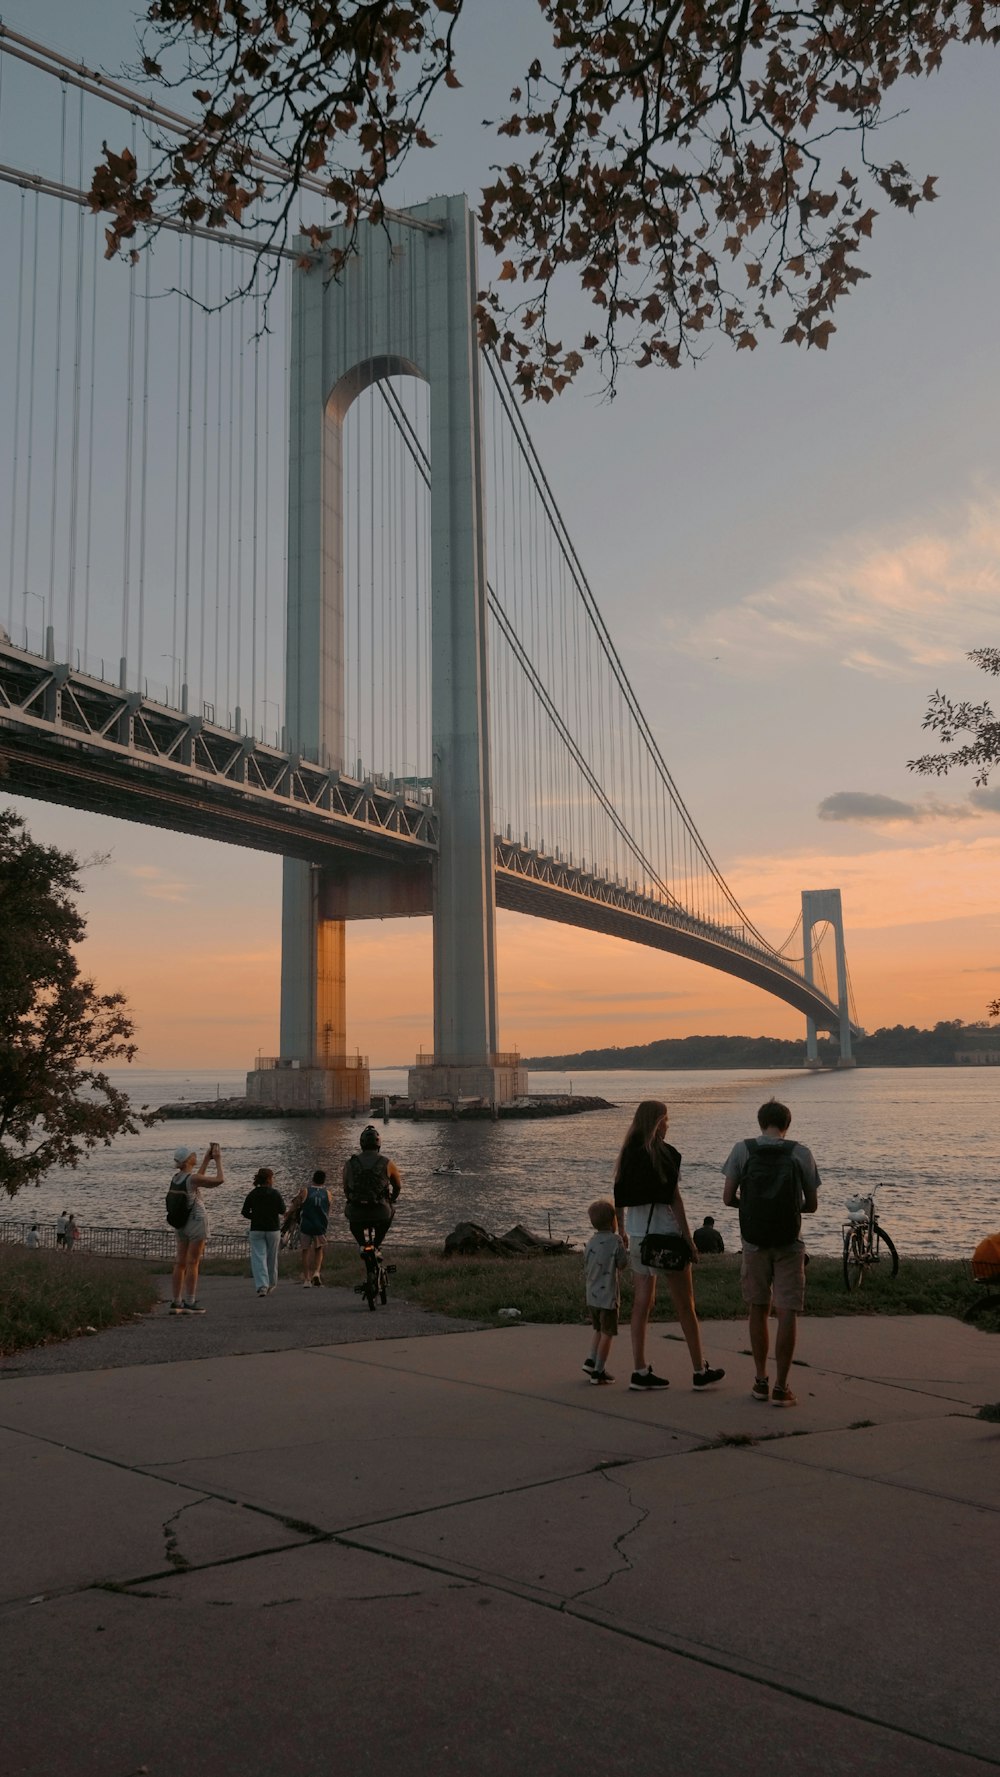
(664, 1252)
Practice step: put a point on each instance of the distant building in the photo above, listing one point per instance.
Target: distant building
(977, 1057)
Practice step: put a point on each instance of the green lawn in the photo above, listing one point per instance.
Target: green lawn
(551, 1288)
(52, 1295)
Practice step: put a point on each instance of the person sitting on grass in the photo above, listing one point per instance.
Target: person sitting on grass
(603, 1257)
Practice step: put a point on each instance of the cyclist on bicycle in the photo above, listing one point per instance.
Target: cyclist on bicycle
(371, 1187)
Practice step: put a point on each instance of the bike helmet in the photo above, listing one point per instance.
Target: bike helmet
(370, 1138)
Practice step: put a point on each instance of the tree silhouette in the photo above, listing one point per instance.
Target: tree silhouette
(56, 1030)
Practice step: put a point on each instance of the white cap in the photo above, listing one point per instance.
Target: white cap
(182, 1154)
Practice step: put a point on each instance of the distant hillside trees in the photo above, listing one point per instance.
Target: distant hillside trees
(896, 1046)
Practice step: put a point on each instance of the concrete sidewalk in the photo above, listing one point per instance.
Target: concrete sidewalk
(433, 1553)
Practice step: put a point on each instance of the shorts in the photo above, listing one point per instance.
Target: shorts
(317, 1240)
(775, 1273)
(604, 1320)
(636, 1216)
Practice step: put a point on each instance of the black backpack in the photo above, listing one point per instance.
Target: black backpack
(369, 1179)
(771, 1194)
(178, 1202)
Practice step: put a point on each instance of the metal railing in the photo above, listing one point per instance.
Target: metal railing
(125, 1243)
(264, 1063)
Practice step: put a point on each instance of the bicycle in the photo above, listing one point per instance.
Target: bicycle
(377, 1272)
(866, 1242)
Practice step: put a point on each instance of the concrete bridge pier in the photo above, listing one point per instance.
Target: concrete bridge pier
(819, 907)
(404, 305)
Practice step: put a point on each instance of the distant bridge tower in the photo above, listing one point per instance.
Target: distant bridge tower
(820, 906)
(403, 306)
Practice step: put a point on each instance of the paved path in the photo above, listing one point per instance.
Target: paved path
(430, 1554)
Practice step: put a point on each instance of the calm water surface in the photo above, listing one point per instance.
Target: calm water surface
(932, 1134)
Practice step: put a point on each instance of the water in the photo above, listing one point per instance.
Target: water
(933, 1135)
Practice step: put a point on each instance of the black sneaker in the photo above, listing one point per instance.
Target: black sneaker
(176, 1308)
(761, 1390)
(191, 1308)
(588, 1365)
(645, 1379)
(599, 1376)
(703, 1378)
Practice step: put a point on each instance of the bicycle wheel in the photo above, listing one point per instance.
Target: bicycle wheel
(383, 1289)
(854, 1268)
(370, 1287)
(882, 1239)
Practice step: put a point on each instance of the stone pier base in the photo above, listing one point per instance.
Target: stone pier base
(341, 1087)
(494, 1084)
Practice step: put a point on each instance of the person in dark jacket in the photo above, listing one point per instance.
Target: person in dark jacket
(707, 1238)
(648, 1201)
(264, 1207)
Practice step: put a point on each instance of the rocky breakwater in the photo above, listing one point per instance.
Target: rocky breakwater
(247, 1110)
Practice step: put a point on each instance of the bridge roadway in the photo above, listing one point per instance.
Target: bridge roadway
(70, 738)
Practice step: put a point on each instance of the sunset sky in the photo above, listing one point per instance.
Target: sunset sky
(791, 550)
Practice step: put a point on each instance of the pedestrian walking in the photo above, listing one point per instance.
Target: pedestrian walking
(71, 1235)
(772, 1181)
(61, 1222)
(647, 1190)
(310, 1209)
(188, 1216)
(31, 1239)
(603, 1258)
(264, 1207)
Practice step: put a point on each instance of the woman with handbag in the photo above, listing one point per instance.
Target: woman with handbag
(655, 1231)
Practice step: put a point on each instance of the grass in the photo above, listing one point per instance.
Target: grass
(45, 1296)
(550, 1288)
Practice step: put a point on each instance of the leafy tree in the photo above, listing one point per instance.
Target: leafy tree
(56, 1030)
(690, 167)
(949, 720)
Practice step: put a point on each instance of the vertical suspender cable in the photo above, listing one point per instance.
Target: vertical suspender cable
(90, 450)
(74, 494)
(31, 422)
(144, 472)
(255, 464)
(175, 627)
(127, 515)
(205, 322)
(57, 401)
(185, 649)
(15, 467)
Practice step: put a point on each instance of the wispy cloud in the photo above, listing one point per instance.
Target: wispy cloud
(887, 606)
(867, 806)
(155, 885)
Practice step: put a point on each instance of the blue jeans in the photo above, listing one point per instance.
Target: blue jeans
(264, 1258)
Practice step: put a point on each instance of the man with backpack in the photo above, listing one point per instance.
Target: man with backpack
(772, 1181)
(371, 1186)
(311, 1210)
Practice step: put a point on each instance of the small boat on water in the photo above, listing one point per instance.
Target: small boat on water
(449, 1169)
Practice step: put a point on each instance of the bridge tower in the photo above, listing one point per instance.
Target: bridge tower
(820, 906)
(403, 306)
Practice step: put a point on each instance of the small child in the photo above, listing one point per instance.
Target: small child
(603, 1258)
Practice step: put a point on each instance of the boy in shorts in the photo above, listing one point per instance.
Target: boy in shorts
(604, 1256)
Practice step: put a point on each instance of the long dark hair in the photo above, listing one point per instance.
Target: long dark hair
(642, 1133)
(263, 1176)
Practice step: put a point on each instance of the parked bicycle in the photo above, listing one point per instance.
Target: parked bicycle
(866, 1242)
(377, 1273)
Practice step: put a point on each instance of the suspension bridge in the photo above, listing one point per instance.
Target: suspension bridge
(284, 569)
